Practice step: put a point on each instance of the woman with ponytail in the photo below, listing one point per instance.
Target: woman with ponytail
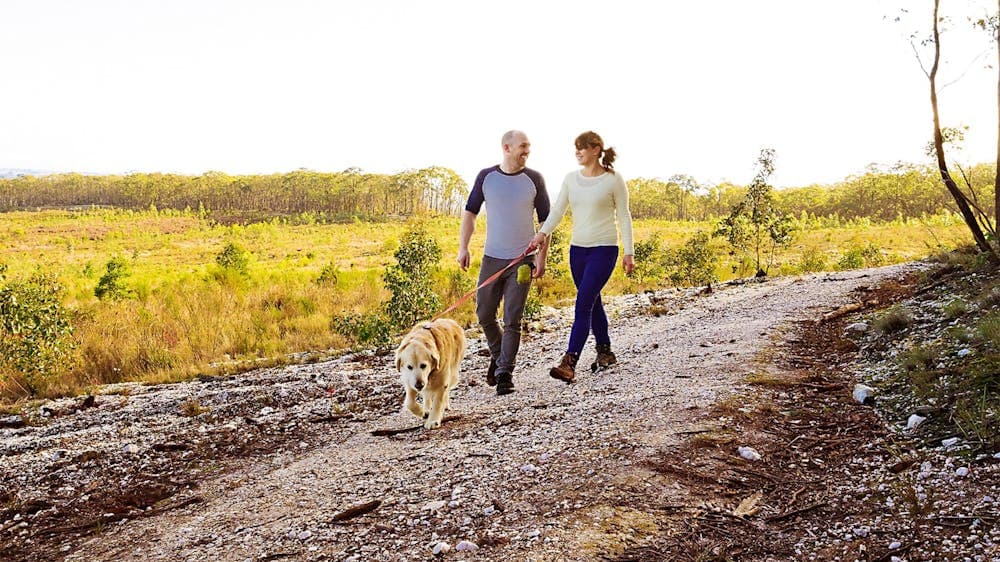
(598, 198)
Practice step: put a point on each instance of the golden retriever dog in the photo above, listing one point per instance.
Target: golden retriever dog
(428, 361)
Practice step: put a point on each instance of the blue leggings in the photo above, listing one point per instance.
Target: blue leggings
(591, 267)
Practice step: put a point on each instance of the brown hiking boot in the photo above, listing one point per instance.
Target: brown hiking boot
(565, 370)
(605, 358)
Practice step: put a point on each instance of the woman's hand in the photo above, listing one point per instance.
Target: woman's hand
(538, 241)
(628, 264)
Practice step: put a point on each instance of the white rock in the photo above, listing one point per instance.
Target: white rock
(894, 545)
(749, 453)
(964, 352)
(951, 442)
(441, 548)
(914, 421)
(489, 510)
(131, 449)
(305, 535)
(858, 328)
(434, 506)
(962, 472)
(862, 393)
(466, 546)
(529, 468)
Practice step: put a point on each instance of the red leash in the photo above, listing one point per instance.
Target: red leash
(485, 282)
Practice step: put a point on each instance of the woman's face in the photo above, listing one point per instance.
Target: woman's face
(587, 155)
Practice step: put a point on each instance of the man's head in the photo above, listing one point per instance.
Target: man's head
(516, 148)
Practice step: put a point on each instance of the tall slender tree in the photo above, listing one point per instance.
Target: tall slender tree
(960, 200)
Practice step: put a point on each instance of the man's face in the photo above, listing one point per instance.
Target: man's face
(517, 151)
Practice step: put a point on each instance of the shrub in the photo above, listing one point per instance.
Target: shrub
(112, 284)
(694, 263)
(328, 276)
(410, 280)
(861, 256)
(648, 255)
(894, 320)
(954, 309)
(234, 258)
(35, 329)
(812, 260)
(372, 331)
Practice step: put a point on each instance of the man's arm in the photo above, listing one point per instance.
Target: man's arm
(464, 236)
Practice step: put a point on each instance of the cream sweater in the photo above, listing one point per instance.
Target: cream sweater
(596, 203)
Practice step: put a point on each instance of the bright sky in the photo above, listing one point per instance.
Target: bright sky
(254, 86)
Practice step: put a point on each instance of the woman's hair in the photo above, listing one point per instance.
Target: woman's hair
(591, 139)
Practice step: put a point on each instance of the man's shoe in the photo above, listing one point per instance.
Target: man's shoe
(605, 358)
(505, 384)
(566, 369)
(491, 372)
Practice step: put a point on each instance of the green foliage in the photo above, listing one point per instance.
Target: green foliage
(111, 285)
(533, 304)
(329, 275)
(649, 259)
(367, 331)
(410, 280)
(35, 329)
(694, 263)
(556, 262)
(234, 258)
(812, 260)
(858, 257)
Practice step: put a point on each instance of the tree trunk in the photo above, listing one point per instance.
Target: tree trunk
(996, 175)
(956, 193)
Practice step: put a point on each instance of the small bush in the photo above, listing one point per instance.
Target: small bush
(811, 260)
(989, 330)
(893, 321)
(410, 279)
(955, 309)
(328, 276)
(112, 286)
(990, 298)
(858, 257)
(35, 330)
(234, 258)
(372, 331)
(694, 262)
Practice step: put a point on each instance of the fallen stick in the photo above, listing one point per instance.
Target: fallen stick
(357, 510)
(388, 432)
(788, 514)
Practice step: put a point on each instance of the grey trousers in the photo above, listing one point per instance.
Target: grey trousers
(505, 342)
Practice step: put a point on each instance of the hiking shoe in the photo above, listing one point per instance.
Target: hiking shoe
(505, 384)
(605, 358)
(491, 372)
(566, 369)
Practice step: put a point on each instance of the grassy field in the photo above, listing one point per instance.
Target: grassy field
(185, 315)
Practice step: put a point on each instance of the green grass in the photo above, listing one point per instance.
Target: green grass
(188, 315)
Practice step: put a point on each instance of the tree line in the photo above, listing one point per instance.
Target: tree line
(338, 195)
(901, 191)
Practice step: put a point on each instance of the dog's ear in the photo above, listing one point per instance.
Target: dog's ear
(436, 358)
(399, 360)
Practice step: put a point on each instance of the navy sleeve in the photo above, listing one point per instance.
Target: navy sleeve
(542, 204)
(476, 197)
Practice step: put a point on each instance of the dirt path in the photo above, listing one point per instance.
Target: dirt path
(262, 466)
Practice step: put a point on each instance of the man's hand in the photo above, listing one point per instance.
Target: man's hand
(463, 258)
(628, 263)
(539, 270)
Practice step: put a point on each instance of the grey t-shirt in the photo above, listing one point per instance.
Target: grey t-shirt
(510, 201)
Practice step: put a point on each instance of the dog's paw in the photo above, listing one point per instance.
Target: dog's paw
(432, 424)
